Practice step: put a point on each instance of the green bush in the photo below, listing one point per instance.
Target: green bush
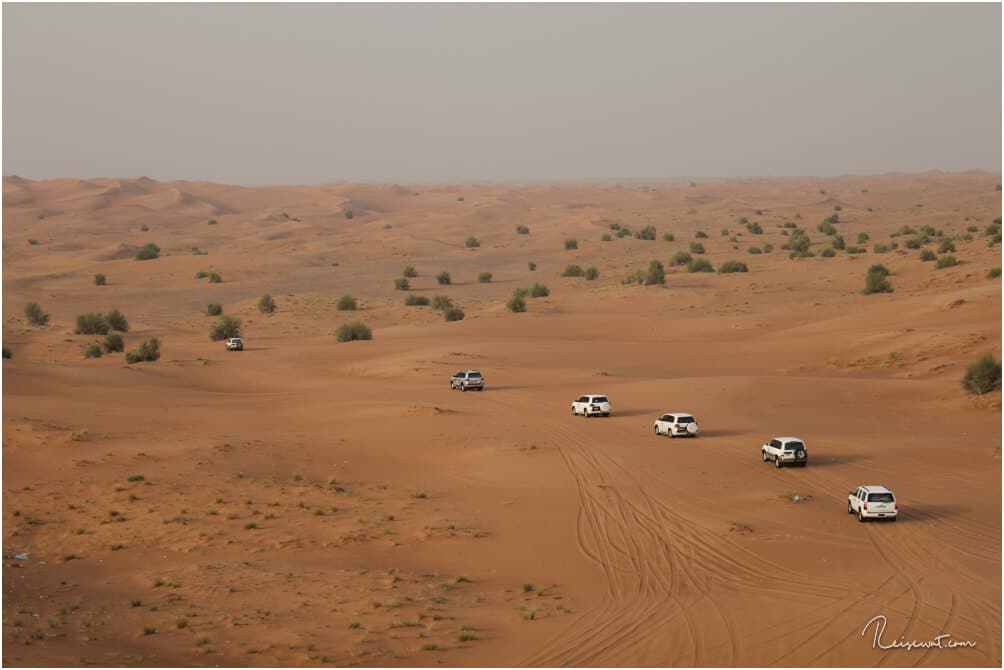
(532, 266)
(100, 279)
(266, 305)
(573, 271)
(767, 248)
(409, 271)
(790, 225)
(347, 304)
(401, 284)
(700, 234)
(636, 277)
(201, 274)
(539, 291)
(605, 237)
(863, 237)
(472, 243)
(148, 252)
(516, 303)
(416, 300)
(613, 225)
(725, 232)
(522, 230)
(349, 214)
(700, 265)
(880, 248)
(696, 248)
(353, 330)
(983, 376)
(946, 246)
(443, 278)
(441, 302)
(624, 231)
(592, 273)
(117, 321)
(668, 237)
(856, 250)
(148, 351)
(646, 233)
(215, 278)
(93, 350)
(732, 266)
(114, 342)
(453, 314)
(799, 241)
(994, 273)
(225, 328)
(754, 250)
(571, 243)
(656, 274)
(828, 252)
(484, 277)
(92, 323)
(214, 309)
(875, 280)
(914, 243)
(826, 227)
(36, 317)
(946, 262)
(927, 255)
(754, 228)
(680, 258)
(838, 243)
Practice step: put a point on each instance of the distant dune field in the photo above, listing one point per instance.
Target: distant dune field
(310, 502)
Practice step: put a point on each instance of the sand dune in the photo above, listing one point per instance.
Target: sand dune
(307, 502)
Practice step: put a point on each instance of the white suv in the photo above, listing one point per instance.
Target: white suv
(235, 344)
(785, 451)
(872, 502)
(468, 379)
(676, 423)
(591, 405)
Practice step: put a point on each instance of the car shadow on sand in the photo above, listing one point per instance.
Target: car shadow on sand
(920, 513)
(722, 432)
(653, 413)
(828, 460)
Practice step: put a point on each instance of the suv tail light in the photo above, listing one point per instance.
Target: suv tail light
(866, 505)
(895, 505)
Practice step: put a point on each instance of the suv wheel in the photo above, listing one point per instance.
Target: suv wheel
(861, 518)
(656, 430)
(777, 462)
(850, 510)
(763, 455)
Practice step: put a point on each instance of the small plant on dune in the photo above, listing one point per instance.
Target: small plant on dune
(573, 271)
(754, 228)
(484, 277)
(838, 243)
(994, 273)
(539, 291)
(946, 262)
(266, 304)
(767, 248)
(880, 248)
(732, 266)
(521, 292)
(114, 343)
(211, 222)
(927, 255)
(656, 274)
(826, 227)
(983, 376)
(33, 242)
(93, 350)
(946, 246)
(92, 323)
(147, 252)
(856, 250)
(453, 314)
(754, 250)
(353, 330)
(522, 230)
(149, 630)
(700, 234)
(646, 233)
(416, 300)
(828, 252)
(876, 280)
(347, 304)
(700, 265)
(668, 237)
(863, 237)
(592, 273)
(605, 237)
(472, 242)
(516, 303)
(117, 321)
(696, 248)
(799, 241)
(409, 271)
(443, 278)
(571, 243)
(215, 278)
(401, 284)
(531, 266)
(36, 317)
(680, 258)
(349, 214)
(441, 302)
(225, 328)
(100, 279)
(201, 274)
(149, 350)
(914, 243)
(214, 309)
(724, 232)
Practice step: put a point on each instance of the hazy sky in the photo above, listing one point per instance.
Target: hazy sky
(307, 94)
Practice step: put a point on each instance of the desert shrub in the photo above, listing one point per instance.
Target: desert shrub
(33, 242)
(606, 237)
(828, 252)
(92, 323)
(623, 232)
(994, 273)
(656, 274)
(754, 228)
(863, 237)
(347, 304)
(416, 300)
(592, 273)
(972, 229)
(571, 243)
(522, 230)
(353, 330)
(927, 255)
(114, 342)
(36, 317)
(539, 291)
(215, 278)
(441, 302)
(965, 237)
(680, 258)
(573, 271)
(754, 250)
(696, 248)
(732, 266)
(225, 328)
(838, 243)
(701, 235)
(856, 250)
(993, 228)
(214, 309)
(635, 277)
(266, 305)
(149, 350)
(472, 243)
(409, 271)
(201, 274)
(484, 277)
(117, 321)
(724, 232)
(147, 252)
(880, 248)
(453, 313)
(93, 350)
(443, 278)
(767, 248)
(790, 225)
(100, 279)
(983, 376)
(906, 230)
(668, 237)
(516, 303)
(7, 353)
(914, 243)
(531, 266)
(401, 284)
(946, 246)
(700, 265)
(646, 233)
(522, 292)
(801, 254)
(833, 218)
(826, 227)
(349, 214)
(946, 262)
(876, 280)
(613, 225)
(799, 241)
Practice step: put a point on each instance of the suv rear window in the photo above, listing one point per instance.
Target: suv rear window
(684, 419)
(474, 375)
(880, 497)
(794, 446)
(599, 398)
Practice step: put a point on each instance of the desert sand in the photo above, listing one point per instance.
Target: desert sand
(308, 502)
